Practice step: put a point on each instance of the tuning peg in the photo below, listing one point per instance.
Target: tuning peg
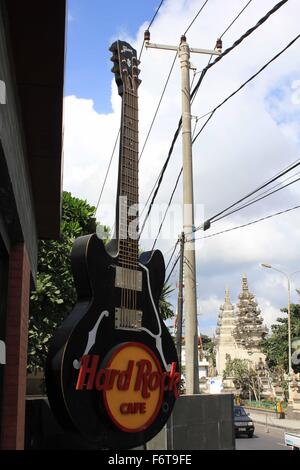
(113, 47)
(136, 70)
(115, 69)
(114, 57)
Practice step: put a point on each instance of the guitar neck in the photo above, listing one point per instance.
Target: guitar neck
(128, 182)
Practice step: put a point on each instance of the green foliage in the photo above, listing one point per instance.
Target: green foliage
(279, 378)
(209, 346)
(55, 295)
(276, 345)
(244, 377)
(165, 306)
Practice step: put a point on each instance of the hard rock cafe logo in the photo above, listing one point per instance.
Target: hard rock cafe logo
(132, 384)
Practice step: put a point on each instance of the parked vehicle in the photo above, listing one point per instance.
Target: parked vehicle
(243, 423)
(292, 440)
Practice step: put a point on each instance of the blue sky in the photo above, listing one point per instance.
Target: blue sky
(250, 139)
(90, 33)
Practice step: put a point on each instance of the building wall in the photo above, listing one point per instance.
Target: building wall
(18, 252)
(20, 199)
(14, 386)
(32, 48)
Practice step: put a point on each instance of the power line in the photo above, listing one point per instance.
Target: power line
(222, 35)
(166, 211)
(236, 18)
(119, 132)
(276, 185)
(174, 266)
(149, 197)
(176, 134)
(158, 106)
(245, 83)
(256, 200)
(108, 168)
(150, 24)
(259, 188)
(155, 15)
(167, 82)
(180, 173)
(237, 43)
(194, 19)
(249, 223)
(161, 176)
(173, 252)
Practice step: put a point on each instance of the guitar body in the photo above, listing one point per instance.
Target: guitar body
(112, 369)
(94, 272)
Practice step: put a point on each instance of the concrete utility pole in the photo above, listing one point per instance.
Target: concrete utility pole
(190, 304)
(180, 302)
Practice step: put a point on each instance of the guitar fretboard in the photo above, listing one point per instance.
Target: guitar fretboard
(129, 189)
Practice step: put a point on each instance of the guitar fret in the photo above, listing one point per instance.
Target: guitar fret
(131, 149)
(135, 141)
(129, 248)
(130, 117)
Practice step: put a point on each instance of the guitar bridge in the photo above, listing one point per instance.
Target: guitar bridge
(126, 319)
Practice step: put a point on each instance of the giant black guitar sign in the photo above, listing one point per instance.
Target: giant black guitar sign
(112, 368)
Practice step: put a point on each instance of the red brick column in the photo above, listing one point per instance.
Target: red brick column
(14, 390)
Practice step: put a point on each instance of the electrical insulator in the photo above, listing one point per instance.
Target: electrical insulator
(147, 35)
(219, 46)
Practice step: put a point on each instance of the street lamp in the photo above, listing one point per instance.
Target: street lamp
(288, 277)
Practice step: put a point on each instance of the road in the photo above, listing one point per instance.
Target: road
(273, 440)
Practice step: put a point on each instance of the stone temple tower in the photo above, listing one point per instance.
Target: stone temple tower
(225, 342)
(249, 329)
(238, 336)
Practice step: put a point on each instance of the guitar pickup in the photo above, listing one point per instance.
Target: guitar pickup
(128, 319)
(128, 279)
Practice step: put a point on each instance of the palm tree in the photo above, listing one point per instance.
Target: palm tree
(166, 309)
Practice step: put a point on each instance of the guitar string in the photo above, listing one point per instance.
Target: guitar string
(129, 251)
(121, 209)
(133, 174)
(134, 100)
(126, 238)
(128, 203)
(136, 187)
(133, 191)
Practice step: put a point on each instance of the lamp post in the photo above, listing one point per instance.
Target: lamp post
(288, 277)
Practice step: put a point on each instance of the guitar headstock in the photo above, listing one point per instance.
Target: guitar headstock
(125, 67)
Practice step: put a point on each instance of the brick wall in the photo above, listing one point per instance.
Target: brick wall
(13, 405)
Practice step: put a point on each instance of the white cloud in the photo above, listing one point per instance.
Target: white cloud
(250, 139)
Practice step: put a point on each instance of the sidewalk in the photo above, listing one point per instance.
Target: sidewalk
(267, 419)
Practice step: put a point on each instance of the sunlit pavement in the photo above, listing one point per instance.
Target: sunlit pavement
(262, 440)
